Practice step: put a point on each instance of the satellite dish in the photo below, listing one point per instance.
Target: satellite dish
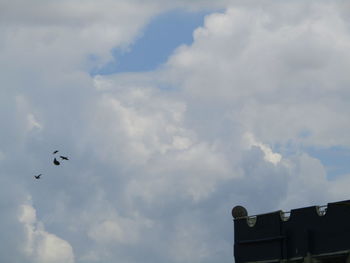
(239, 211)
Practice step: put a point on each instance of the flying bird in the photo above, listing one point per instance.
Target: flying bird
(56, 162)
(55, 152)
(64, 158)
(37, 176)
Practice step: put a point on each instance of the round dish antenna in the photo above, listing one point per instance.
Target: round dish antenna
(239, 211)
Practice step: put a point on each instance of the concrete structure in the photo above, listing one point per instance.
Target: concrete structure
(309, 234)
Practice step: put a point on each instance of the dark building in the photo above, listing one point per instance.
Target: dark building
(309, 234)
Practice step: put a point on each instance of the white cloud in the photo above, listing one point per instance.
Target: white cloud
(138, 123)
(278, 74)
(24, 108)
(33, 122)
(250, 73)
(165, 164)
(119, 230)
(41, 245)
(269, 155)
(108, 231)
(181, 143)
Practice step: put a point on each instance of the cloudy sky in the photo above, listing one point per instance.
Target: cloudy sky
(172, 112)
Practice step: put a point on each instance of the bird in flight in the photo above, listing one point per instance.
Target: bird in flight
(56, 162)
(55, 152)
(64, 158)
(37, 176)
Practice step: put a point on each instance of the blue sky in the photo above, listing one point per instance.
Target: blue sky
(156, 42)
(336, 160)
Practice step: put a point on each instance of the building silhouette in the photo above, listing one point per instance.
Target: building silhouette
(315, 234)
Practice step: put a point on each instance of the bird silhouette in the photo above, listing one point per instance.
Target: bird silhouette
(56, 162)
(37, 176)
(64, 158)
(55, 152)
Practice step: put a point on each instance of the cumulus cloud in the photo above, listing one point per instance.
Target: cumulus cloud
(266, 66)
(158, 159)
(268, 154)
(40, 245)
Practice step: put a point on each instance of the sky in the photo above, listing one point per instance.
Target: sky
(171, 113)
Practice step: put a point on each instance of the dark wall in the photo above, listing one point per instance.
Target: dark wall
(306, 231)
